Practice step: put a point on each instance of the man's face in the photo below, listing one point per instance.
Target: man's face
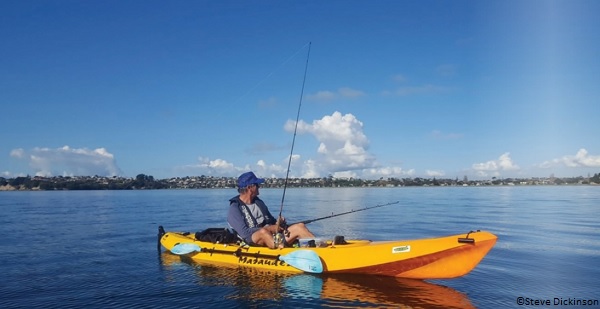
(254, 189)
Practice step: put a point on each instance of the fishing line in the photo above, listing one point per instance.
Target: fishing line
(347, 212)
(271, 73)
(294, 138)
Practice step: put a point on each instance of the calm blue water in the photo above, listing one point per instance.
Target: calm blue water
(97, 249)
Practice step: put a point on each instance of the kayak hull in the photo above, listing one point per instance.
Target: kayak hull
(432, 258)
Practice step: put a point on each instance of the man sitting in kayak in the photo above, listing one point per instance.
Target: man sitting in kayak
(249, 216)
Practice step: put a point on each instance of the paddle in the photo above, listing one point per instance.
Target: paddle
(304, 260)
(185, 248)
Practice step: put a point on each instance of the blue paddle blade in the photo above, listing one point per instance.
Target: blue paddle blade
(185, 248)
(305, 260)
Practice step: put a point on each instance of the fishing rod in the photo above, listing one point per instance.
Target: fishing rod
(345, 213)
(294, 138)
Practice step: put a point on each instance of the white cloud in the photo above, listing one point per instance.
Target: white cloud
(219, 164)
(263, 169)
(18, 153)
(323, 95)
(342, 151)
(69, 161)
(342, 143)
(391, 171)
(206, 166)
(581, 159)
(432, 173)
(506, 163)
(494, 167)
(221, 167)
(345, 175)
(344, 92)
(311, 169)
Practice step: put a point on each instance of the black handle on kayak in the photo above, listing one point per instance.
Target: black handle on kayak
(161, 232)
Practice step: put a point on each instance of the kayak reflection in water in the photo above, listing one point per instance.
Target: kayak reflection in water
(334, 290)
(249, 216)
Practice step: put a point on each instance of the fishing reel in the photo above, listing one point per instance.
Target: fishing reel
(279, 240)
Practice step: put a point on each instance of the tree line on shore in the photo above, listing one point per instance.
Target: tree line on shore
(143, 181)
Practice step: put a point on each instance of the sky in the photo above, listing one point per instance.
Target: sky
(402, 89)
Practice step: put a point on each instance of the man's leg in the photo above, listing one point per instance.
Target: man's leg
(263, 237)
(296, 231)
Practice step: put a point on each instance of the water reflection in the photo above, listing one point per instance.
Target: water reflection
(340, 291)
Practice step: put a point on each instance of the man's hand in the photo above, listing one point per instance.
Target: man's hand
(281, 223)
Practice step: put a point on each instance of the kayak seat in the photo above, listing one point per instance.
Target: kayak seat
(217, 235)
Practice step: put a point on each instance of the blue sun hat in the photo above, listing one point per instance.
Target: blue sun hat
(247, 179)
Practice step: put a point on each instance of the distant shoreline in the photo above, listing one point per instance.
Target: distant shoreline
(12, 189)
(145, 182)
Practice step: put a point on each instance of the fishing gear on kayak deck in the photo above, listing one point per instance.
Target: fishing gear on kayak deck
(217, 235)
(345, 213)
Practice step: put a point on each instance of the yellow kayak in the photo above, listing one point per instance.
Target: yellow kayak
(432, 258)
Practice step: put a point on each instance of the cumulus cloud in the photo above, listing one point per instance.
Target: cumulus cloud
(273, 170)
(342, 143)
(327, 95)
(206, 166)
(494, 167)
(69, 161)
(342, 152)
(221, 167)
(581, 159)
